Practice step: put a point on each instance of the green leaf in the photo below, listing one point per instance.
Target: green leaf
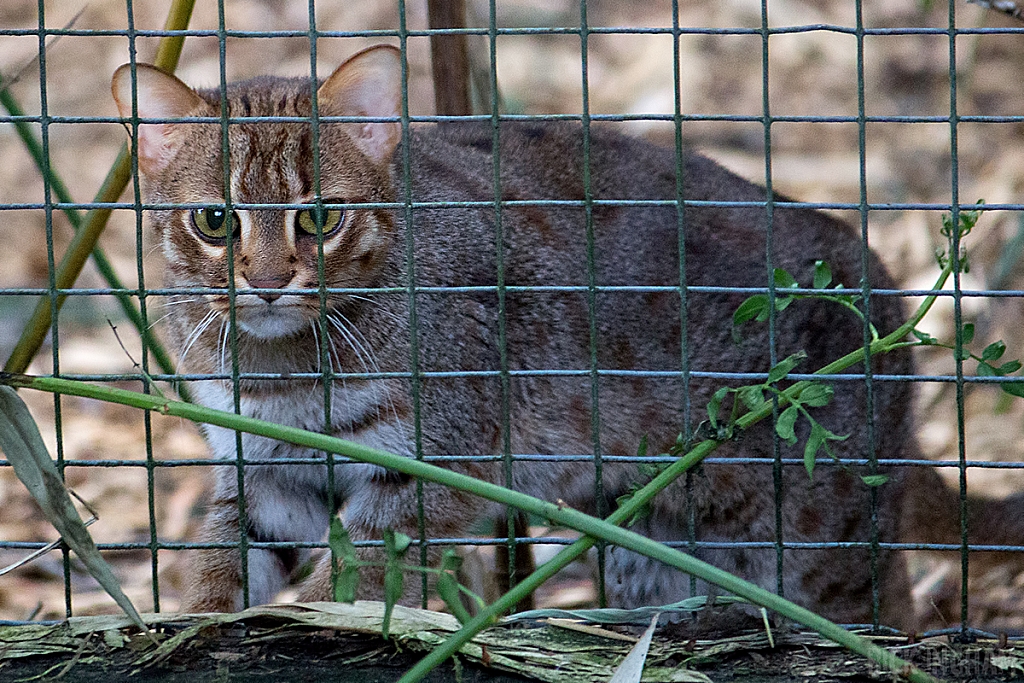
(874, 479)
(402, 543)
(993, 351)
(784, 280)
(754, 308)
(968, 219)
(816, 395)
(784, 426)
(450, 561)
(986, 370)
(649, 470)
(346, 584)
(924, 337)
(1009, 367)
(641, 450)
(393, 580)
(339, 541)
(395, 544)
(680, 446)
(963, 354)
(448, 585)
(814, 442)
(751, 396)
(822, 275)
(947, 225)
(968, 333)
(1013, 388)
(783, 302)
(347, 580)
(832, 436)
(715, 404)
(819, 439)
(783, 367)
(24, 448)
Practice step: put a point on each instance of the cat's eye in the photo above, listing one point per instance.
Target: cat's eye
(306, 220)
(212, 222)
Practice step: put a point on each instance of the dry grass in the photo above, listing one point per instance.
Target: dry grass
(812, 73)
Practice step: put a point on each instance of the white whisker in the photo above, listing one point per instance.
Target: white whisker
(194, 335)
(223, 335)
(367, 360)
(377, 305)
(353, 344)
(158, 320)
(173, 302)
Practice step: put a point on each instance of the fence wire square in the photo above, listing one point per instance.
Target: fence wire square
(884, 115)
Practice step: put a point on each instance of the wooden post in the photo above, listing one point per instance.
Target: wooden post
(449, 58)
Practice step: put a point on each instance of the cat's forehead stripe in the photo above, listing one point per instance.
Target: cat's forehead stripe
(259, 176)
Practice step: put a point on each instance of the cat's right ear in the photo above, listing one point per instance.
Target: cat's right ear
(159, 95)
(368, 84)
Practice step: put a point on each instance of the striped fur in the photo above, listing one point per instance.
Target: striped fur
(284, 332)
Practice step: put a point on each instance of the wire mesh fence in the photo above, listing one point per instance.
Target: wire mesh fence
(886, 115)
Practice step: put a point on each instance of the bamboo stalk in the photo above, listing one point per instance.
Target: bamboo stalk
(85, 239)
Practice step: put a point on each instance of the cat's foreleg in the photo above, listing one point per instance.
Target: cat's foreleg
(275, 511)
(213, 580)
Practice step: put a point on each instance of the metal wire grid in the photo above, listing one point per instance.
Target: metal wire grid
(499, 204)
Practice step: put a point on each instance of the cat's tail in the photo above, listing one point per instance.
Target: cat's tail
(931, 513)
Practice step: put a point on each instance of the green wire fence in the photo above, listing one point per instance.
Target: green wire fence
(466, 55)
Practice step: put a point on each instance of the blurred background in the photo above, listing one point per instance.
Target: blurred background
(810, 73)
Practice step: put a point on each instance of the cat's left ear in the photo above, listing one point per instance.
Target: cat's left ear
(368, 84)
(158, 95)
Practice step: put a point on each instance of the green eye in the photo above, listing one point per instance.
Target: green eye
(212, 223)
(306, 219)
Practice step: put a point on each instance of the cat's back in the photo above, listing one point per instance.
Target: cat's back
(553, 176)
(598, 282)
(613, 222)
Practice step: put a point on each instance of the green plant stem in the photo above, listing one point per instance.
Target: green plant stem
(591, 527)
(890, 342)
(569, 554)
(71, 264)
(564, 558)
(87, 235)
(559, 514)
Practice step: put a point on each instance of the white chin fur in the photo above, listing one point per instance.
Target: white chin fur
(270, 321)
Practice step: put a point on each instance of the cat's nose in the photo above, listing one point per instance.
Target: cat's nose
(270, 282)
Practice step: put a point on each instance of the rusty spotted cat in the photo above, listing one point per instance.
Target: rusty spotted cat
(556, 324)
